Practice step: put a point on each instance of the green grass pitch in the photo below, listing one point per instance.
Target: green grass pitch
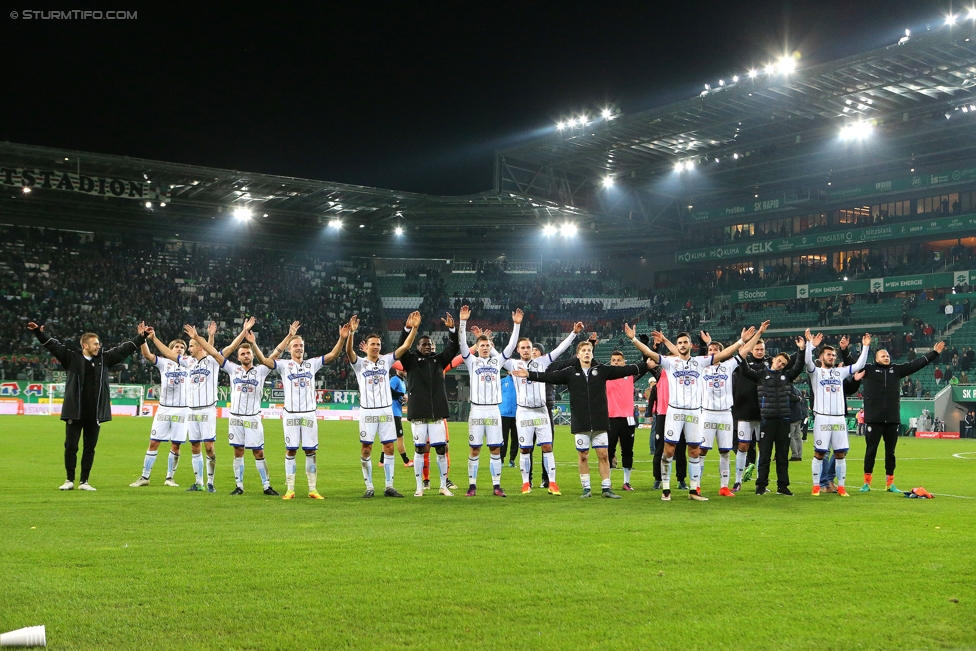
(158, 568)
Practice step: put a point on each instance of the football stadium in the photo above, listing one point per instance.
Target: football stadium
(690, 376)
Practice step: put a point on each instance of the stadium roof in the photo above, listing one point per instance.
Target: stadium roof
(768, 130)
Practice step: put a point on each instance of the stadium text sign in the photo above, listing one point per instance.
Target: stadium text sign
(747, 208)
(25, 177)
(890, 284)
(954, 226)
(905, 183)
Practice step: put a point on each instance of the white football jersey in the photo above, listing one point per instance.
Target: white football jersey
(172, 383)
(298, 380)
(484, 372)
(246, 387)
(201, 383)
(828, 383)
(684, 380)
(529, 394)
(717, 385)
(374, 381)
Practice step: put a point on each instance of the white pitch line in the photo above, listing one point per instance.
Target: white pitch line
(962, 497)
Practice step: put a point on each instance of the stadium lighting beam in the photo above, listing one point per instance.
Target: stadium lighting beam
(856, 131)
(753, 73)
(606, 114)
(679, 166)
(549, 230)
(568, 229)
(335, 223)
(398, 230)
(149, 204)
(950, 20)
(607, 181)
(786, 65)
(560, 126)
(27, 190)
(242, 214)
(971, 15)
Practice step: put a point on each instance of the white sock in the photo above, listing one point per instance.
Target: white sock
(262, 466)
(148, 463)
(418, 469)
(367, 471)
(291, 468)
(211, 468)
(840, 468)
(605, 484)
(585, 481)
(740, 465)
(525, 463)
(817, 466)
(197, 462)
(473, 463)
(666, 472)
(388, 460)
(442, 467)
(311, 472)
(694, 471)
(549, 461)
(724, 463)
(172, 462)
(239, 472)
(495, 467)
(701, 469)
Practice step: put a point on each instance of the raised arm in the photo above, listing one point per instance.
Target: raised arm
(283, 346)
(811, 342)
(211, 332)
(644, 349)
(463, 331)
(729, 351)
(794, 371)
(227, 350)
(53, 346)
(862, 359)
(337, 349)
(353, 326)
(516, 328)
(192, 333)
(921, 361)
(746, 348)
(258, 355)
(549, 377)
(566, 343)
(161, 348)
(403, 348)
(617, 372)
(115, 355)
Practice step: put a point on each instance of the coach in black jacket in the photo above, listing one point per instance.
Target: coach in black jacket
(87, 401)
(774, 388)
(590, 418)
(882, 409)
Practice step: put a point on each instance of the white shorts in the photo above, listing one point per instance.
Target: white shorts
(533, 422)
(716, 424)
(748, 430)
(202, 424)
(830, 433)
(377, 422)
(485, 426)
(597, 440)
(246, 432)
(169, 424)
(686, 420)
(301, 430)
(428, 432)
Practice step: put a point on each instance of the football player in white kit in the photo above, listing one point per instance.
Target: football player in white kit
(201, 397)
(299, 420)
(484, 419)
(685, 401)
(376, 400)
(170, 422)
(717, 405)
(531, 414)
(830, 407)
(246, 427)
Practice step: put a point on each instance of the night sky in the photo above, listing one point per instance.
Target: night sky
(395, 95)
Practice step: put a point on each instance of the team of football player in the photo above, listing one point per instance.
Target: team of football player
(700, 408)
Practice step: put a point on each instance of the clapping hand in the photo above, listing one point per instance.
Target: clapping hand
(34, 326)
(517, 316)
(191, 331)
(448, 320)
(629, 331)
(465, 313)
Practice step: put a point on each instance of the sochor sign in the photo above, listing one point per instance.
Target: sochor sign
(955, 226)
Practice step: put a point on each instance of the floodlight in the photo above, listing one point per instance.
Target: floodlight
(162, 204)
(560, 126)
(971, 15)
(606, 114)
(786, 65)
(856, 131)
(242, 214)
(398, 230)
(568, 229)
(689, 165)
(753, 73)
(608, 181)
(27, 190)
(149, 204)
(335, 223)
(679, 166)
(735, 79)
(950, 20)
(549, 229)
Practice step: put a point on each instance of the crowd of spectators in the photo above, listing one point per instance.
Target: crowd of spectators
(107, 283)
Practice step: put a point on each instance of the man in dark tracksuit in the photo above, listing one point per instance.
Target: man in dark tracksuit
(428, 399)
(774, 389)
(882, 409)
(745, 412)
(590, 420)
(87, 399)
